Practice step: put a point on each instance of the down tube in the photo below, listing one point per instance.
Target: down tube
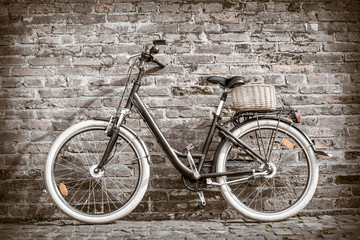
(160, 137)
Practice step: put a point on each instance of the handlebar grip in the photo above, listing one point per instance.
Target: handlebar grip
(159, 42)
(158, 63)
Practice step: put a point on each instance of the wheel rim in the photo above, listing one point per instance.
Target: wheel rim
(89, 193)
(284, 186)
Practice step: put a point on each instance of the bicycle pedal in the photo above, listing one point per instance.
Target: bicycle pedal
(202, 198)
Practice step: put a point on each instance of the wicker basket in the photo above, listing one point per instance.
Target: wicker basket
(254, 97)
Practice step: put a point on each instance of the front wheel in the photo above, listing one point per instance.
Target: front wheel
(291, 177)
(90, 196)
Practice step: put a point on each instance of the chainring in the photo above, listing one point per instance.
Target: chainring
(193, 185)
(197, 185)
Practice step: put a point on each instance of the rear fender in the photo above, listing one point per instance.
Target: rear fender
(312, 144)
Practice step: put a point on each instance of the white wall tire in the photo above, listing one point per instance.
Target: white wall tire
(58, 196)
(230, 193)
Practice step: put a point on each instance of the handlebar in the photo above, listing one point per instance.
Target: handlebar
(158, 63)
(149, 50)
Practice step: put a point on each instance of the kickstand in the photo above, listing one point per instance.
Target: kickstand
(202, 198)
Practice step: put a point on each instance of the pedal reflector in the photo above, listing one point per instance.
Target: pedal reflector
(288, 144)
(63, 189)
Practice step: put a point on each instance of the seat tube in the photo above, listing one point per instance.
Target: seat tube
(212, 130)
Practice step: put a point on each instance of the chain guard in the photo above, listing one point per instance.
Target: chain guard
(197, 185)
(193, 185)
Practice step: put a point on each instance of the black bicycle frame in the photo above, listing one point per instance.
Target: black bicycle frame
(172, 154)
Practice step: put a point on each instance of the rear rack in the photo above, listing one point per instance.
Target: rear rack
(285, 113)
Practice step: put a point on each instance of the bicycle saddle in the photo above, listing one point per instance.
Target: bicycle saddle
(230, 82)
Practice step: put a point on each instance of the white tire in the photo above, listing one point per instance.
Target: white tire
(292, 178)
(91, 197)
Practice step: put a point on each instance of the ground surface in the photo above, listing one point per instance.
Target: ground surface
(321, 227)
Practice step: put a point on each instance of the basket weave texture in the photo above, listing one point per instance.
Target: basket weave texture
(254, 97)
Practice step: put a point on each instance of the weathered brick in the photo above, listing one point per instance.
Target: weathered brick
(32, 72)
(271, 37)
(147, 7)
(18, 9)
(193, 7)
(342, 47)
(41, 9)
(195, 59)
(129, 18)
(337, 68)
(53, 61)
(213, 49)
(66, 61)
(11, 82)
(317, 79)
(298, 17)
(212, 7)
(248, 69)
(322, 58)
(12, 61)
(299, 47)
(232, 37)
(352, 57)
(205, 69)
(254, 7)
(104, 38)
(82, 8)
(5, 72)
(104, 8)
(93, 61)
(124, 7)
(293, 68)
(86, 19)
(216, 17)
(48, 19)
(337, 17)
(296, 79)
(170, 17)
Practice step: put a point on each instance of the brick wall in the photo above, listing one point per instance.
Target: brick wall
(63, 61)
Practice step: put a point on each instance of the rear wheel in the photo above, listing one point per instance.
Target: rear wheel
(291, 171)
(90, 196)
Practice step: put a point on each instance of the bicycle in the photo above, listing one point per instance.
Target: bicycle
(97, 171)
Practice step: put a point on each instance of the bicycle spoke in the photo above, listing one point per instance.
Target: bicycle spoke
(118, 186)
(262, 141)
(77, 189)
(284, 157)
(287, 187)
(72, 164)
(285, 182)
(77, 181)
(110, 201)
(82, 151)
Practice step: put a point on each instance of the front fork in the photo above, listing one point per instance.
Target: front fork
(113, 133)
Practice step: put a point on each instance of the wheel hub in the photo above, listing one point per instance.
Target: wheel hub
(95, 174)
(271, 171)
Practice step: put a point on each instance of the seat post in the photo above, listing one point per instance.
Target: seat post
(222, 100)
